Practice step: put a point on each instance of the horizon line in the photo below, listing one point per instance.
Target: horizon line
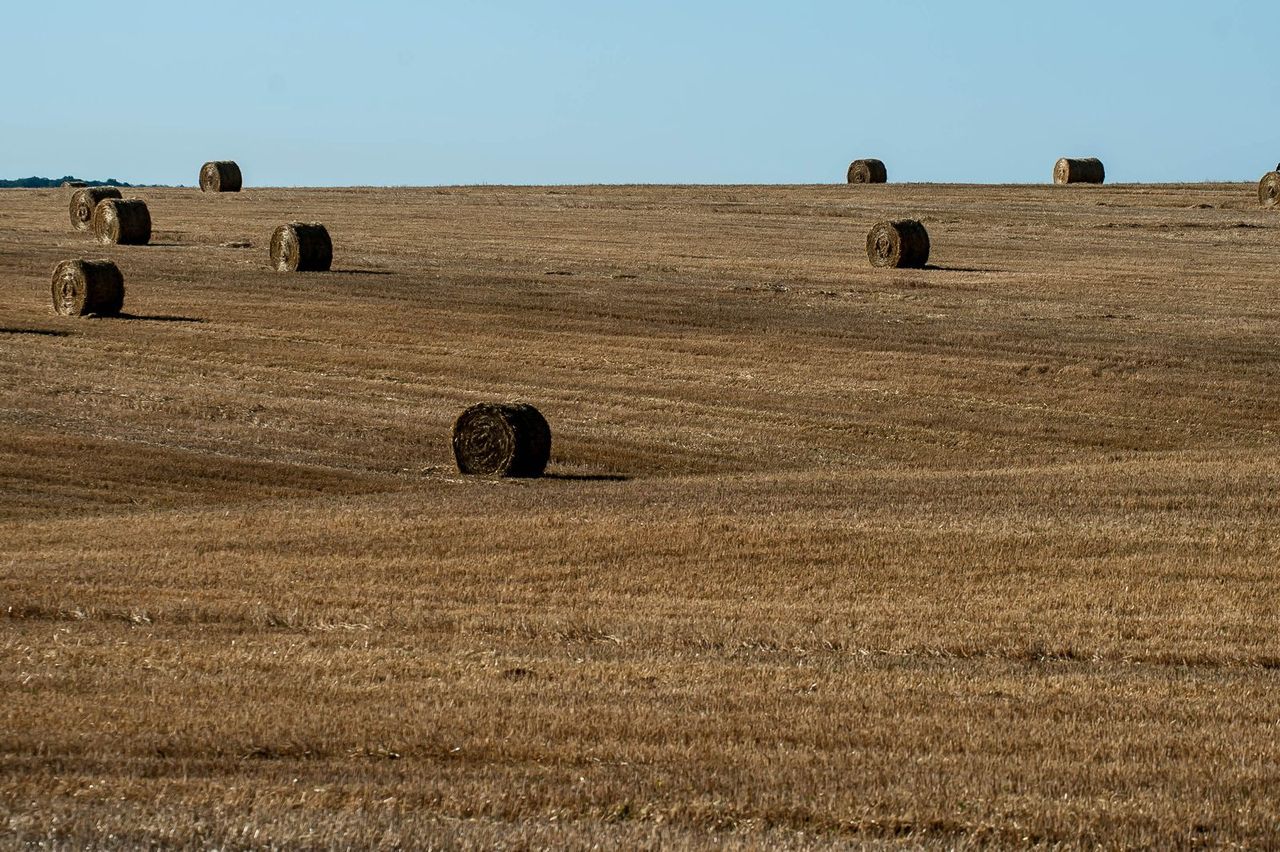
(586, 184)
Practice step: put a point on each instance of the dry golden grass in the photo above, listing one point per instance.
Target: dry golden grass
(982, 554)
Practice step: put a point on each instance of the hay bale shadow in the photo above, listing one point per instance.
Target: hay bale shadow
(157, 318)
(940, 268)
(41, 332)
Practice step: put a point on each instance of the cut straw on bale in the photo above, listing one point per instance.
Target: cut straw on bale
(301, 247)
(84, 287)
(502, 439)
(1269, 188)
(220, 176)
(83, 202)
(867, 171)
(1086, 170)
(124, 222)
(902, 244)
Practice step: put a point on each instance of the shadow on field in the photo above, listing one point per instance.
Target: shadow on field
(588, 477)
(43, 332)
(936, 268)
(158, 318)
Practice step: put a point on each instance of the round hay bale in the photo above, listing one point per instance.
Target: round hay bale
(83, 287)
(73, 184)
(867, 171)
(1269, 188)
(123, 222)
(301, 247)
(506, 439)
(83, 201)
(902, 244)
(1086, 170)
(220, 176)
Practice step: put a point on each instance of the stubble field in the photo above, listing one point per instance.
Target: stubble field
(981, 554)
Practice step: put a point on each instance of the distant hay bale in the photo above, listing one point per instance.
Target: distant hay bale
(1269, 188)
(506, 439)
(83, 287)
(73, 184)
(301, 247)
(1085, 170)
(902, 244)
(124, 222)
(867, 171)
(220, 176)
(83, 201)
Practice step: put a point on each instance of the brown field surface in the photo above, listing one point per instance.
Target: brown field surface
(981, 554)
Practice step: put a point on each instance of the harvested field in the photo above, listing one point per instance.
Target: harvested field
(982, 553)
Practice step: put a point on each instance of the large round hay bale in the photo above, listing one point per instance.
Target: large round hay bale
(122, 221)
(867, 171)
(220, 176)
(902, 244)
(83, 201)
(1085, 170)
(301, 247)
(73, 184)
(506, 439)
(82, 287)
(1269, 188)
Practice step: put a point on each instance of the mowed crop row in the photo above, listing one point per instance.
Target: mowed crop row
(974, 553)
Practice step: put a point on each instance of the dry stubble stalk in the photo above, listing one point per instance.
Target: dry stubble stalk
(1085, 170)
(83, 202)
(901, 244)
(301, 247)
(220, 176)
(867, 171)
(83, 287)
(503, 439)
(125, 222)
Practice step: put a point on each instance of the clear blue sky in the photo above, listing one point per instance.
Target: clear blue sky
(580, 91)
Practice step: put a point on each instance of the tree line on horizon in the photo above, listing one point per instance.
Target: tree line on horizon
(54, 183)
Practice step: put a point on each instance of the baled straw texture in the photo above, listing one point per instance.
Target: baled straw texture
(503, 439)
(1085, 170)
(1269, 188)
(83, 202)
(301, 247)
(220, 176)
(902, 244)
(867, 171)
(125, 222)
(83, 287)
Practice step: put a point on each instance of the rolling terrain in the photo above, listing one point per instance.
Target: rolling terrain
(978, 554)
